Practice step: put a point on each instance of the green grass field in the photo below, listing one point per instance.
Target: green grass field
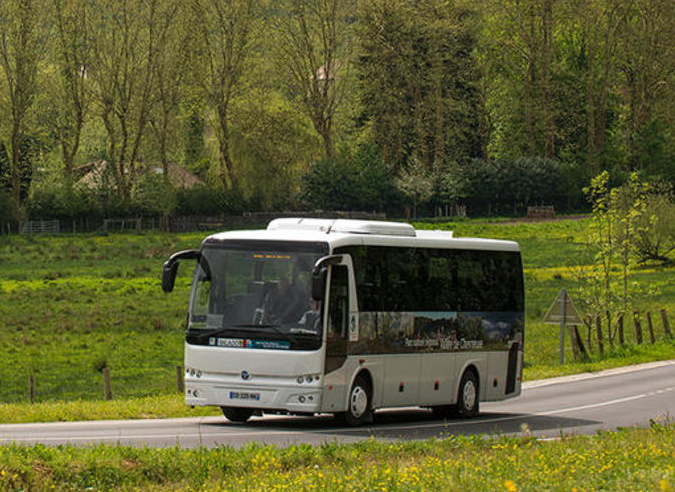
(73, 304)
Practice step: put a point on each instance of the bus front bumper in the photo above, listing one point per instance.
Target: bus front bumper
(293, 399)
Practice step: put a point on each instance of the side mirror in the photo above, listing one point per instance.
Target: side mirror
(319, 284)
(170, 268)
(320, 273)
(169, 271)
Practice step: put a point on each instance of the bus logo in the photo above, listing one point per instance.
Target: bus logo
(245, 375)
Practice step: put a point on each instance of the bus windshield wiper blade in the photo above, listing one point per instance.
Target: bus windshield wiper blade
(304, 331)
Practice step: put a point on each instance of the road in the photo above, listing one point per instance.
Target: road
(583, 404)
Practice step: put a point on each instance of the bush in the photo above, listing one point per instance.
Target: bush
(350, 182)
(509, 186)
(58, 201)
(5, 205)
(204, 200)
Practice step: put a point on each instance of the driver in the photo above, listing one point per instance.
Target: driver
(285, 303)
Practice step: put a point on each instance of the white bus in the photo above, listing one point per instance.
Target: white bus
(346, 317)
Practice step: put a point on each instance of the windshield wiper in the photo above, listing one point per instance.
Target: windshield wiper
(220, 331)
(304, 331)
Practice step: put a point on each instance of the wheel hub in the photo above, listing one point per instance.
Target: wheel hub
(358, 403)
(469, 395)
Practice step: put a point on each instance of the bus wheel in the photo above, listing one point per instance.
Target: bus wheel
(359, 409)
(468, 397)
(237, 414)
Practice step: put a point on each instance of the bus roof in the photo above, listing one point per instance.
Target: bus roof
(346, 232)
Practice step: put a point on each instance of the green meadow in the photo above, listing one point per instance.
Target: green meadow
(74, 304)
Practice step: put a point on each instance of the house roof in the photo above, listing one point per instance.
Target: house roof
(95, 173)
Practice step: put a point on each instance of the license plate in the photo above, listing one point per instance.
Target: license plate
(243, 395)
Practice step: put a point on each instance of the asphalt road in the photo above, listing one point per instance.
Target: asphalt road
(583, 404)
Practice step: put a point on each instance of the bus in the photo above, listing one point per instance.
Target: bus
(346, 317)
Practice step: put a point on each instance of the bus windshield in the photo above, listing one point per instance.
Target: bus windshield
(255, 296)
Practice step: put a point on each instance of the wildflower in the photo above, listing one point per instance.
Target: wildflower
(510, 486)
(665, 486)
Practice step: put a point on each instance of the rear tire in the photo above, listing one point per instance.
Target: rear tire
(234, 414)
(468, 405)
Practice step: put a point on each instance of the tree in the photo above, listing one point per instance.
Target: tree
(272, 143)
(419, 81)
(169, 71)
(523, 35)
(126, 43)
(600, 31)
(627, 228)
(648, 66)
(227, 32)
(315, 41)
(416, 182)
(22, 41)
(71, 97)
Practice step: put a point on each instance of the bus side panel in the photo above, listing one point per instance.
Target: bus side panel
(437, 379)
(401, 380)
(495, 384)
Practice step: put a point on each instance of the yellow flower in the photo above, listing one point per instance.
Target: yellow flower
(665, 486)
(510, 486)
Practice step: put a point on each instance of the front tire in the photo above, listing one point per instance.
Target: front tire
(234, 414)
(359, 407)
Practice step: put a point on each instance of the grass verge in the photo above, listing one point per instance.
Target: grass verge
(632, 459)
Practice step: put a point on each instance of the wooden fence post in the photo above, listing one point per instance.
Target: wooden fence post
(31, 387)
(578, 348)
(574, 342)
(582, 349)
(650, 327)
(666, 325)
(107, 387)
(180, 382)
(638, 328)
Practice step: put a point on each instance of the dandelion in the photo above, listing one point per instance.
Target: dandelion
(665, 486)
(510, 486)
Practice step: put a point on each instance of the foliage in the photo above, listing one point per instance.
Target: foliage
(416, 182)
(631, 459)
(350, 182)
(439, 83)
(629, 227)
(272, 144)
(420, 94)
(510, 185)
(55, 200)
(152, 195)
(205, 200)
(654, 234)
(315, 47)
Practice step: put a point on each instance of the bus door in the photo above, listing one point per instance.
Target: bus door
(337, 314)
(337, 332)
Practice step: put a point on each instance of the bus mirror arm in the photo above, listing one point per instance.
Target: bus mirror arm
(319, 275)
(170, 268)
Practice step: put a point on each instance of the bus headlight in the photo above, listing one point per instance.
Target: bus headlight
(308, 379)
